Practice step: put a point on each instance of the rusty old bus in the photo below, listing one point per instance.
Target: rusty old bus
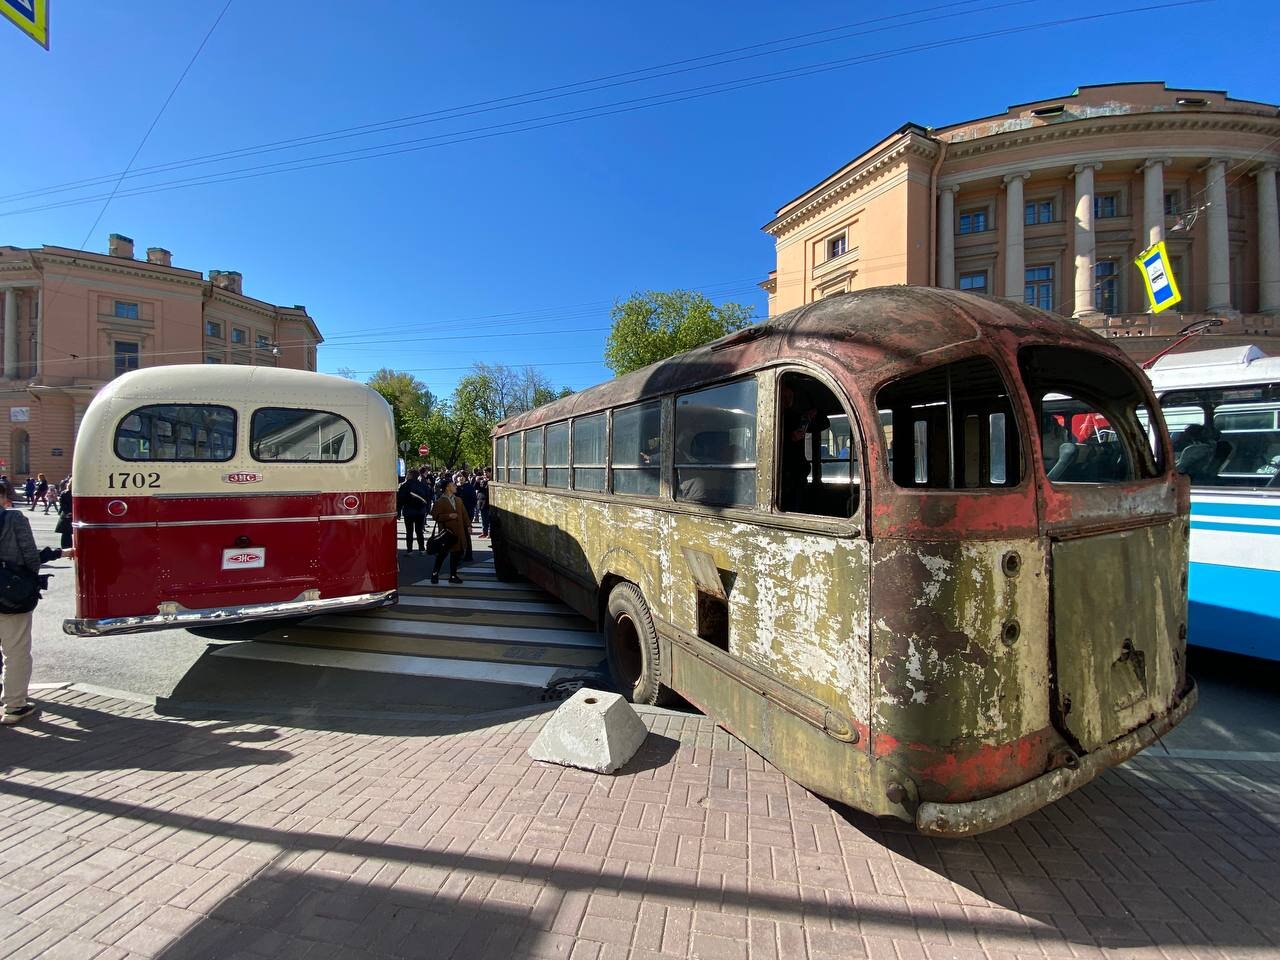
(863, 537)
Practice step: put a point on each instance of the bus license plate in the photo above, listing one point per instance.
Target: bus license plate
(244, 558)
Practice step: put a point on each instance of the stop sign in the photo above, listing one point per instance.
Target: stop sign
(423, 450)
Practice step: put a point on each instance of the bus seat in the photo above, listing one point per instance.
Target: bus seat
(1067, 453)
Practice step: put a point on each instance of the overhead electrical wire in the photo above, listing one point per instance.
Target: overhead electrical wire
(594, 112)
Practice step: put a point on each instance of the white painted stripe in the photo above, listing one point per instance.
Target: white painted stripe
(1238, 756)
(1238, 498)
(1243, 521)
(481, 583)
(1233, 548)
(515, 674)
(448, 630)
(547, 606)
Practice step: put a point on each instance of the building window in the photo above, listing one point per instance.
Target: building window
(837, 246)
(263, 342)
(239, 336)
(973, 221)
(1106, 205)
(212, 328)
(1038, 211)
(974, 282)
(126, 356)
(1106, 287)
(1038, 291)
(212, 359)
(1172, 203)
(126, 310)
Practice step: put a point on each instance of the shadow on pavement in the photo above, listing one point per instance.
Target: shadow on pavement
(104, 741)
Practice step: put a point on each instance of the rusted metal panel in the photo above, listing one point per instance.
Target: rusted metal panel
(960, 653)
(1119, 605)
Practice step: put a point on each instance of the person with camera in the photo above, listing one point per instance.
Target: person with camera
(20, 586)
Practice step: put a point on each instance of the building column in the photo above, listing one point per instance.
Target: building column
(10, 334)
(1153, 199)
(1215, 172)
(1268, 241)
(1086, 242)
(947, 237)
(1015, 271)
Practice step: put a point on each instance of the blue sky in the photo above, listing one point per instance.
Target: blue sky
(511, 248)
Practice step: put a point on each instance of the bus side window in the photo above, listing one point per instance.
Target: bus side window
(959, 409)
(715, 446)
(817, 463)
(1226, 436)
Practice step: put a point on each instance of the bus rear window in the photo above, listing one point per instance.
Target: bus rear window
(177, 432)
(1092, 417)
(289, 435)
(951, 428)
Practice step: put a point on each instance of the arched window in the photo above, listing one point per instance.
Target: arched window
(21, 447)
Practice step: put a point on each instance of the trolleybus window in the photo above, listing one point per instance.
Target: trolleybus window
(177, 432)
(811, 418)
(637, 449)
(588, 452)
(533, 457)
(955, 428)
(1091, 414)
(290, 435)
(500, 459)
(515, 458)
(1226, 436)
(557, 450)
(715, 449)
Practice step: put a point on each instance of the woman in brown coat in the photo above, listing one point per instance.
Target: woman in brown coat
(450, 513)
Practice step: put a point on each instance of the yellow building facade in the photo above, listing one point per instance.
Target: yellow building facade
(1050, 202)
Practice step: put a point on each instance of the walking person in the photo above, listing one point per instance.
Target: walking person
(467, 491)
(451, 514)
(31, 491)
(64, 518)
(413, 500)
(21, 566)
(482, 501)
(41, 488)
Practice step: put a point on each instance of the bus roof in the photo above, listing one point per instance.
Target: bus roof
(233, 382)
(876, 335)
(1221, 367)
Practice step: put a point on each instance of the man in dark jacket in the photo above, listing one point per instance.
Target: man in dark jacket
(413, 499)
(18, 551)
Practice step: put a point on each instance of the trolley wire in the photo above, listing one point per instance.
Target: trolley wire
(529, 124)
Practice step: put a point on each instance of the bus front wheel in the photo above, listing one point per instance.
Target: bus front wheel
(631, 646)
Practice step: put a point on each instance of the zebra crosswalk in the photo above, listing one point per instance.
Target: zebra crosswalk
(482, 630)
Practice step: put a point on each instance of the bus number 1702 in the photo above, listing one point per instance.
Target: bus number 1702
(124, 480)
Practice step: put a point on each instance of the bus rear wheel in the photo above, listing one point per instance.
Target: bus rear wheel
(632, 649)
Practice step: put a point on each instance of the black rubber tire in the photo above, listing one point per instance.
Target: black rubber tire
(632, 648)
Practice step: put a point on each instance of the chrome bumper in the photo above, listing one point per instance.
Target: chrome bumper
(180, 616)
(979, 816)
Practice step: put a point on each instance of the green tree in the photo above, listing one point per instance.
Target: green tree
(411, 405)
(648, 327)
(488, 394)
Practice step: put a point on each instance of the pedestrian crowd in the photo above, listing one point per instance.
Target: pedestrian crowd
(453, 501)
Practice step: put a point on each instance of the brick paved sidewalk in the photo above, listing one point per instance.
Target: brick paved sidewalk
(124, 834)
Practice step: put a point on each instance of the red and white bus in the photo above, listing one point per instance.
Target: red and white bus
(210, 494)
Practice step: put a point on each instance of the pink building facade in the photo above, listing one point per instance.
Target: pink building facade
(74, 319)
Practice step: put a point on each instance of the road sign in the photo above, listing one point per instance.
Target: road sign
(30, 16)
(424, 450)
(1157, 276)
(404, 446)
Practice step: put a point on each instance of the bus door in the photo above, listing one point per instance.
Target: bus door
(238, 549)
(1118, 547)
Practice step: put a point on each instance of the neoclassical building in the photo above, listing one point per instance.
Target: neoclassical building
(74, 319)
(1051, 202)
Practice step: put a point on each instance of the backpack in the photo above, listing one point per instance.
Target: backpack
(19, 587)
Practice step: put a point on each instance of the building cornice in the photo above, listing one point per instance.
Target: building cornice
(892, 154)
(118, 267)
(1112, 125)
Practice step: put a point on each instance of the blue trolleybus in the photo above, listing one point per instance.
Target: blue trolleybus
(1223, 411)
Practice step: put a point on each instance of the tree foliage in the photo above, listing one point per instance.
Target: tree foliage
(648, 327)
(457, 431)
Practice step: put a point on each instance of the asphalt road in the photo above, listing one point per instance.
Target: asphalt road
(1239, 697)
